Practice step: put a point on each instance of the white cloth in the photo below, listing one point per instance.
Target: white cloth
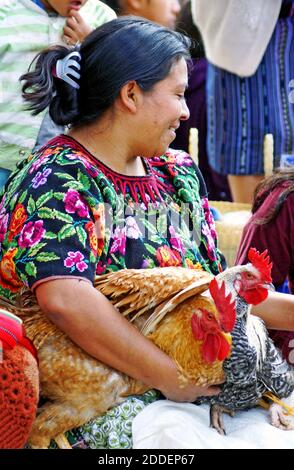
(236, 32)
(169, 425)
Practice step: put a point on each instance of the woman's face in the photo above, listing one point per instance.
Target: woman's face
(63, 7)
(161, 111)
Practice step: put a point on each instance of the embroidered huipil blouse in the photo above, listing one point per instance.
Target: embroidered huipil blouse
(65, 214)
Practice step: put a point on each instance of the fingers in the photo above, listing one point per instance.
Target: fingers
(69, 33)
(75, 16)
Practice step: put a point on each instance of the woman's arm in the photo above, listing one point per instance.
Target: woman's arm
(277, 311)
(93, 323)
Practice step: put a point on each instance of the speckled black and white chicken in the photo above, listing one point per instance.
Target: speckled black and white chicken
(255, 366)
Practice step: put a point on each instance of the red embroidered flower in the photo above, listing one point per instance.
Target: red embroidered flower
(95, 244)
(17, 221)
(8, 277)
(167, 257)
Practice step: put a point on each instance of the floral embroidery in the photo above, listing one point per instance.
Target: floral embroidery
(90, 227)
(85, 220)
(41, 178)
(74, 203)
(9, 279)
(168, 257)
(31, 234)
(119, 241)
(75, 260)
(18, 218)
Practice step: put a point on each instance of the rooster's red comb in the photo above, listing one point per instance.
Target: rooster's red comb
(224, 304)
(261, 261)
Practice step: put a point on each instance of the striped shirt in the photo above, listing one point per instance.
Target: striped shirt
(26, 29)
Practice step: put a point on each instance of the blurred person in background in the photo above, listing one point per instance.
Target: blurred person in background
(163, 12)
(250, 49)
(217, 184)
(27, 27)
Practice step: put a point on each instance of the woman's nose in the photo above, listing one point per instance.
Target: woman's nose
(185, 111)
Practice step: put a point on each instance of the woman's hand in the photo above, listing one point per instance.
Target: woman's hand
(277, 311)
(189, 392)
(75, 29)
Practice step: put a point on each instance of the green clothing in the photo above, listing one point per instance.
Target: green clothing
(25, 30)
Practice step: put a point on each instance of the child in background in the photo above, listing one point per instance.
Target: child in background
(27, 27)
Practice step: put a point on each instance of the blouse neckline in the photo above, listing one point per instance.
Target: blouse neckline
(108, 169)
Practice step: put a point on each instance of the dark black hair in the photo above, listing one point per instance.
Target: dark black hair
(186, 25)
(124, 49)
(267, 186)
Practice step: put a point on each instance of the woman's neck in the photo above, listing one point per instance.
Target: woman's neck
(111, 149)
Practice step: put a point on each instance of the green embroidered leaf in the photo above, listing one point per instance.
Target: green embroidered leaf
(50, 235)
(44, 198)
(35, 249)
(31, 269)
(82, 234)
(62, 216)
(157, 239)
(31, 207)
(23, 196)
(24, 278)
(151, 249)
(74, 185)
(148, 225)
(59, 196)
(65, 176)
(46, 213)
(66, 231)
(162, 225)
(47, 256)
(19, 252)
(84, 180)
(92, 258)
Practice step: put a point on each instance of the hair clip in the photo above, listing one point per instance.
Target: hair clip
(64, 68)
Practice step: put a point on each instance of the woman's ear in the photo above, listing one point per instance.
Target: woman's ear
(130, 95)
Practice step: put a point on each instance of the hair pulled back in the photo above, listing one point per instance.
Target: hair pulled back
(117, 52)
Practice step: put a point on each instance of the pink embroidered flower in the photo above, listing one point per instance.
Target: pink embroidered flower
(75, 204)
(119, 241)
(132, 229)
(175, 241)
(182, 158)
(74, 260)
(3, 226)
(210, 241)
(31, 234)
(209, 217)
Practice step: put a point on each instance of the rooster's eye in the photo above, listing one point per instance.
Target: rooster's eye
(250, 276)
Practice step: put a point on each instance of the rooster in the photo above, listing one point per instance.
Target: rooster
(19, 383)
(255, 367)
(193, 329)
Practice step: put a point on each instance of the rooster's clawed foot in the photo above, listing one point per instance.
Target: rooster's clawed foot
(216, 418)
(278, 418)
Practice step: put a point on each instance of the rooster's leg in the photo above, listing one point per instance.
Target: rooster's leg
(278, 419)
(54, 419)
(216, 417)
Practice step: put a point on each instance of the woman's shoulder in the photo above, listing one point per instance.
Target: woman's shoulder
(178, 164)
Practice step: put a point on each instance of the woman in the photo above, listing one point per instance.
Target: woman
(271, 227)
(86, 203)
